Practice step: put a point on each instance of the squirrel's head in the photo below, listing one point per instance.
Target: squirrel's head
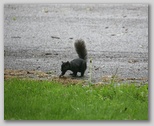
(65, 66)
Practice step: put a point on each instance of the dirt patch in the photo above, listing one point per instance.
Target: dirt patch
(8, 73)
(40, 75)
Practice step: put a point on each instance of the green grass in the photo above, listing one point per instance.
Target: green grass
(43, 100)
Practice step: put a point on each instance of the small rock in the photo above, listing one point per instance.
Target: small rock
(48, 53)
(15, 37)
(133, 61)
(113, 34)
(49, 72)
(55, 37)
(45, 10)
(97, 68)
(126, 30)
(38, 67)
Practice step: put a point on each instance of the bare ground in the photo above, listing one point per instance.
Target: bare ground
(38, 37)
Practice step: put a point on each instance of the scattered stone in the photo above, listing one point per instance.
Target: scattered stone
(49, 72)
(113, 34)
(133, 61)
(140, 46)
(15, 37)
(97, 68)
(38, 67)
(55, 37)
(45, 10)
(126, 30)
(48, 53)
(106, 78)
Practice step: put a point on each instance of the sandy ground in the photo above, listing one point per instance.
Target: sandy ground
(38, 37)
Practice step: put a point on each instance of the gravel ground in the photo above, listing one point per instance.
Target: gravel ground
(41, 36)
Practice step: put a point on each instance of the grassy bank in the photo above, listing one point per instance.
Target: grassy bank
(43, 100)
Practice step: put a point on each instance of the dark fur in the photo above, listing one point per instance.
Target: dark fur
(79, 64)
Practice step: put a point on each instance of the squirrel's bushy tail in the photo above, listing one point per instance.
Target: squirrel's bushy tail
(80, 48)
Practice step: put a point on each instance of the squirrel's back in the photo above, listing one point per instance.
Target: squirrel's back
(80, 48)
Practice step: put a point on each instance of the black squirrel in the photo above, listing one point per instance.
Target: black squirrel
(79, 64)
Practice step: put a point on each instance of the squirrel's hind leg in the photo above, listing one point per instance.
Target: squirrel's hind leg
(74, 74)
(82, 73)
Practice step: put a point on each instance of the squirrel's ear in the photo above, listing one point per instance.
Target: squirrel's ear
(62, 62)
